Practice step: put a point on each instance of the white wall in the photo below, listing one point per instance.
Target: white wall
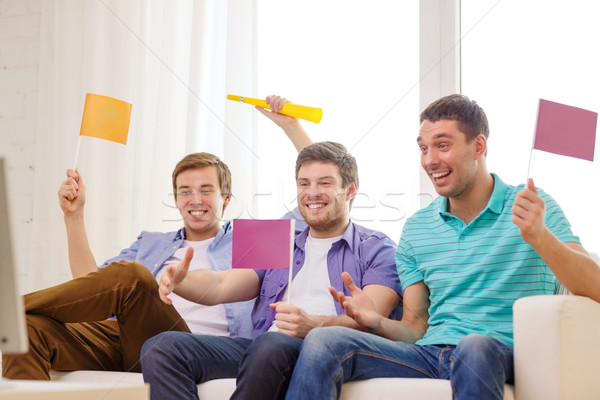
(19, 61)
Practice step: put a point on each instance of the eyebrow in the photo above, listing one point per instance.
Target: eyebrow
(436, 136)
(318, 179)
(206, 185)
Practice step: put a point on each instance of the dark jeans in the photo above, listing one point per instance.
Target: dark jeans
(68, 330)
(174, 363)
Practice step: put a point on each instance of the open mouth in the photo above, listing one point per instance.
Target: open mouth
(440, 176)
(315, 206)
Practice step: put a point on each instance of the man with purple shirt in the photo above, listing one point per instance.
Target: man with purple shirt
(327, 182)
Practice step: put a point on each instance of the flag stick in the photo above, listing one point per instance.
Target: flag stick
(292, 238)
(533, 142)
(77, 152)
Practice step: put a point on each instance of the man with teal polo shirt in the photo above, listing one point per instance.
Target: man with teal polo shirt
(463, 261)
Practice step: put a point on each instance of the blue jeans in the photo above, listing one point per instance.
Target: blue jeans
(477, 367)
(267, 366)
(173, 363)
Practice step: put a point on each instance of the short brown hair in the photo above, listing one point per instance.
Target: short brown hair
(471, 118)
(334, 153)
(201, 160)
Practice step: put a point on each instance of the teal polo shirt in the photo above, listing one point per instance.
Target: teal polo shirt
(475, 272)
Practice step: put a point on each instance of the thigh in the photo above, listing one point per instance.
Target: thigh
(203, 357)
(363, 355)
(74, 346)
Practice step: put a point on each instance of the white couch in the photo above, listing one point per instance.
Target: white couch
(557, 349)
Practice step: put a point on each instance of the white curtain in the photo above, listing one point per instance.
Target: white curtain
(174, 61)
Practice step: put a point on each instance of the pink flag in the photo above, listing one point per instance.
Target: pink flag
(566, 130)
(263, 244)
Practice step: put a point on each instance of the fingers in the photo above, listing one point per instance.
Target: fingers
(187, 258)
(68, 189)
(531, 186)
(349, 283)
(276, 102)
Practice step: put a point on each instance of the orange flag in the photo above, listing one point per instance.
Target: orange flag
(105, 118)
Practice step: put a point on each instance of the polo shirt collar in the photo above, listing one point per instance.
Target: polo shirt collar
(495, 204)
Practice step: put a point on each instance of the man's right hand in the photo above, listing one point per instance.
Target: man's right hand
(71, 193)
(174, 274)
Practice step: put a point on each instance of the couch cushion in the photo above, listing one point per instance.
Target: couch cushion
(221, 389)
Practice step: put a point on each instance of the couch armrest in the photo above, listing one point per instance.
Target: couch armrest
(557, 348)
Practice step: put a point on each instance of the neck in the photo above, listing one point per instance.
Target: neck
(333, 231)
(469, 204)
(199, 236)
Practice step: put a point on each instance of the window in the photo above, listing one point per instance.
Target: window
(514, 53)
(359, 62)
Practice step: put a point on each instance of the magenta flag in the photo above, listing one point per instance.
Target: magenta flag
(566, 130)
(263, 244)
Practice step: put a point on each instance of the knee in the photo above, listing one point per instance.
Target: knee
(478, 349)
(161, 349)
(131, 272)
(323, 341)
(273, 347)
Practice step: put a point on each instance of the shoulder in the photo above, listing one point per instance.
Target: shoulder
(364, 234)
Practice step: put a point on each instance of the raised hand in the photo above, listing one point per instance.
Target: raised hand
(276, 103)
(174, 274)
(71, 193)
(529, 211)
(358, 306)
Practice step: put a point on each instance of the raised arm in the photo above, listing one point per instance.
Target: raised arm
(290, 125)
(570, 262)
(71, 196)
(205, 286)
(361, 308)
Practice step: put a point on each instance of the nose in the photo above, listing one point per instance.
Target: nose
(311, 191)
(197, 197)
(430, 158)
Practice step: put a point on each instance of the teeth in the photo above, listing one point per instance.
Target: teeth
(439, 174)
(197, 213)
(313, 206)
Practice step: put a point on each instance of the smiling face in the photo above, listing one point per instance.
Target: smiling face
(322, 199)
(200, 203)
(451, 162)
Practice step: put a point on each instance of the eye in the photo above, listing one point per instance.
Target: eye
(423, 149)
(205, 191)
(184, 192)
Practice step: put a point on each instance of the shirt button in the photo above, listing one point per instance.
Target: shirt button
(298, 262)
(281, 285)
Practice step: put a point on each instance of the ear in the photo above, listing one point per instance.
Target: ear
(351, 191)
(480, 146)
(226, 200)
